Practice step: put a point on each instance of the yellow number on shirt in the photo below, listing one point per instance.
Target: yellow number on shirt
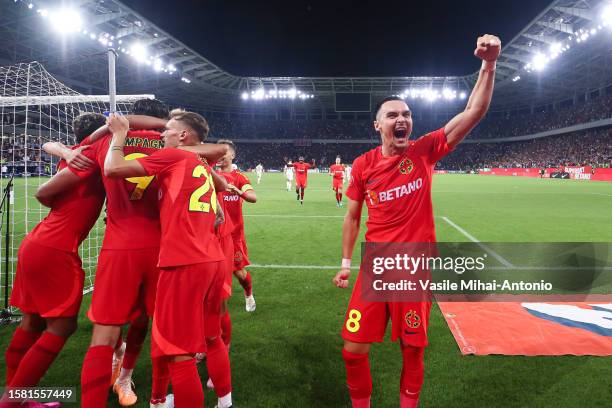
(141, 182)
(352, 323)
(194, 201)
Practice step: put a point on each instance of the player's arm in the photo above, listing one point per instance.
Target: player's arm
(64, 180)
(350, 232)
(75, 158)
(219, 182)
(211, 151)
(248, 195)
(136, 121)
(115, 165)
(488, 48)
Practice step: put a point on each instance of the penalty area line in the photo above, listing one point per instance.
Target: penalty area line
(469, 236)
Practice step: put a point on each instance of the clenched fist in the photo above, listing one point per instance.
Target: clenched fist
(488, 47)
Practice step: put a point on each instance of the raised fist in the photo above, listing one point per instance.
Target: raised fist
(488, 47)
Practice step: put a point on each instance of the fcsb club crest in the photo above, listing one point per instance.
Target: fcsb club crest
(406, 166)
(413, 320)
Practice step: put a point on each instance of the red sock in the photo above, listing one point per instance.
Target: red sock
(186, 384)
(37, 360)
(412, 376)
(218, 365)
(95, 376)
(20, 344)
(226, 328)
(161, 378)
(247, 284)
(358, 378)
(339, 197)
(135, 337)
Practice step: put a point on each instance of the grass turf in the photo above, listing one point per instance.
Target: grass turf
(287, 353)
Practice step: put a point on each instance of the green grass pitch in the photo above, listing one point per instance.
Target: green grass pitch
(287, 353)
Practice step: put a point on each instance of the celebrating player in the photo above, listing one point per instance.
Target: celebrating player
(48, 285)
(337, 173)
(259, 171)
(301, 176)
(406, 218)
(288, 170)
(187, 306)
(240, 188)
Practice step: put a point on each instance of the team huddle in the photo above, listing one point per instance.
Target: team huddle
(175, 239)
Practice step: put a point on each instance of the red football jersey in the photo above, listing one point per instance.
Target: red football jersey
(301, 169)
(187, 208)
(131, 204)
(227, 227)
(397, 190)
(72, 215)
(337, 170)
(234, 202)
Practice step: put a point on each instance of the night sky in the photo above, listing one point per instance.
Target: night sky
(339, 38)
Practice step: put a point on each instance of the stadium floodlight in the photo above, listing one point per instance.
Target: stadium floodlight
(516, 78)
(245, 96)
(66, 20)
(539, 62)
(463, 95)
(606, 14)
(258, 94)
(555, 48)
(30, 6)
(139, 52)
(92, 36)
(158, 65)
(186, 80)
(584, 36)
(449, 94)
(43, 13)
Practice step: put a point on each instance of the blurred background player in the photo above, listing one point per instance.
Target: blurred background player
(347, 177)
(288, 170)
(48, 286)
(259, 169)
(301, 176)
(240, 188)
(187, 306)
(408, 217)
(337, 172)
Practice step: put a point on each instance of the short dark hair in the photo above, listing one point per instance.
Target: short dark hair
(382, 102)
(87, 123)
(194, 120)
(227, 142)
(150, 107)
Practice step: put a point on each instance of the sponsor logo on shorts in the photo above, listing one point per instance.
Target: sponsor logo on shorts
(413, 320)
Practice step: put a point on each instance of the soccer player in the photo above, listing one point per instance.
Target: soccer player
(288, 170)
(405, 218)
(301, 176)
(348, 169)
(240, 189)
(337, 173)
(48, 285)
(259, 171)
(187, 306)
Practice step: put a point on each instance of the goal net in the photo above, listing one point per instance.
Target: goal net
(36, 108)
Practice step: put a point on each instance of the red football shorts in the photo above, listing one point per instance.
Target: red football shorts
(301, 182)
(241, 254)
(366, 321)
(337, 184)
(187, 309)
(227, 266)
(125, 284)
(48, 282)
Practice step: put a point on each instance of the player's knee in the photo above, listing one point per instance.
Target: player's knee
(32, 323)
(63, 327)
(241, 274)
(414, 356)
(104, 335)
(357, 348)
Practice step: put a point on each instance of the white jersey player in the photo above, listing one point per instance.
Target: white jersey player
(347, 172)
(288, 170)
(259, 171)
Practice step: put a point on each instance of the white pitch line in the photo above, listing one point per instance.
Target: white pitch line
(602, 194)
(469, 236)
(293, 216)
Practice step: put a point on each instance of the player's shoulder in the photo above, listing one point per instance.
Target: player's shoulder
(149, 134)
(367, 158)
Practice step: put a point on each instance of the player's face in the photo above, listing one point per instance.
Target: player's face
(301, 159)
(337, 160)
(174, 134)
(394, 123)
(227, 158)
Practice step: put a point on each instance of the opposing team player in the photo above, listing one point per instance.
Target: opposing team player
(187, 306)
(259, 169)
(240, 189)
(301, 176)
(337, 173)
(406, 217)
(288, 170)
(48, 285)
